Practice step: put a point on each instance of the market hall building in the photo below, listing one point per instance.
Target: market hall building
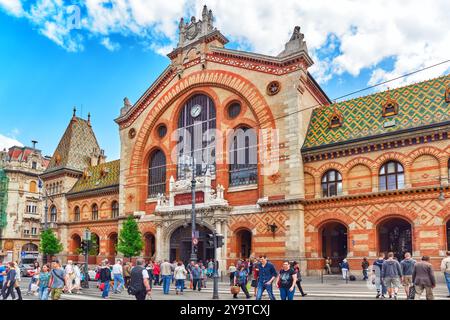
(348, 179)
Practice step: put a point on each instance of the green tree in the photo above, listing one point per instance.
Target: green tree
(49, 244)
(93, 245)
(130, 242)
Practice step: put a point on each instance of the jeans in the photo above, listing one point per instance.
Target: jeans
(118, 278)
(344, 274)
(381, 288)
(286, 294)
(365, 276)
(43, 293)
(447, 279)
(33, 280)
(197, 283)
(179, 284)
(261, 288)
(105, 292)
(166, 283)
(156, 279)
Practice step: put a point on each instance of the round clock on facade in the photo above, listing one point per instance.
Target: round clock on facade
(196, 110)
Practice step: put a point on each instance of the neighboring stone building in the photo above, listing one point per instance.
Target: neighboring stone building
(377, 176)
(22, 210)
(82, 191)
(257, 206)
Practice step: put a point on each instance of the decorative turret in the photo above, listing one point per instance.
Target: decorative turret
(190, 32)
(295, 44)
(126, 106)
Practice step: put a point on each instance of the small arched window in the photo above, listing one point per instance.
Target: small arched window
(331, 183)
(243, 157)
(115, 209)
(53, 214)
(391, 176)
(94, 212)
(77, 214)
(157, 174)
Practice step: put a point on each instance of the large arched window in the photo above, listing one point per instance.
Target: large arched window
(243, 157)
(94, 212)
(53, 214)
(391, 176)
(196, 138)
(331, 183)
(77, 213)
(157, 174)
(115, 209)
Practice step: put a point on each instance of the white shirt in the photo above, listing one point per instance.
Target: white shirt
(145, 274)
(117, 269)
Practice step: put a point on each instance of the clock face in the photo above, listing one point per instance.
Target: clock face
(196, 110)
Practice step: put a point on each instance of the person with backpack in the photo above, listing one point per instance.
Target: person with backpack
(139, 281)
(345, 267)
(407, 265)
(299, 278)
(391, 274)
(286, 280)
(58, 280)
(105, 279)
(445, 268)
(240, 280)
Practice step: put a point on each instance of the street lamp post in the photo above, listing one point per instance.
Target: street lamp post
(216, 273)
(87, 240)
(193, 216)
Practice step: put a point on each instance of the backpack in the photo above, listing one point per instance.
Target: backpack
(352, 278)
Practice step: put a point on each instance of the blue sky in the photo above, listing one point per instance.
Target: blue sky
(119, 50)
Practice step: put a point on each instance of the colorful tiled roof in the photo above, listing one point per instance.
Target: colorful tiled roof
(98, 177)
(75, 147)
(419, 105)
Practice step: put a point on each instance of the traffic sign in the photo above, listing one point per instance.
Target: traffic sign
(195, 241)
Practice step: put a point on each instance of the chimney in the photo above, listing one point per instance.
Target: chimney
(89, 118)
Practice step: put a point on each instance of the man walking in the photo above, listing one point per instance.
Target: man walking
(391, 274)
(58, 280)
(345, 267)
(127, 274)
(117, 272)
(365, 268)
(376, 270)
(166, 273)
(196, 274)
(423, 278)
(139, 281)
(267, 274)
(445, 268)
(8, 288)
(407, 265)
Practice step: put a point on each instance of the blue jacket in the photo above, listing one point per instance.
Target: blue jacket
(344, 265)
(266, 273)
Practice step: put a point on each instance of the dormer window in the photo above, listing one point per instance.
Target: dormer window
(390, 107)
(335, 122)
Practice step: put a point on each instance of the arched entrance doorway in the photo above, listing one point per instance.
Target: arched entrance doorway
(334, 242)
(395, 235)
(75, 244)
(112, 244)
(30, 247)
(180, 244)
(244, 243)
(149, 245)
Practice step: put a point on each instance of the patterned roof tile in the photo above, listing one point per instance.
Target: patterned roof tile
(98, 177)
(419, 105)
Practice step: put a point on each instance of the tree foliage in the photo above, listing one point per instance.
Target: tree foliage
(49, 244)
(130, 242)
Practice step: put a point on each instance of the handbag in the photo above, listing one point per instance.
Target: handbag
(102, 286)
(235, 289)
(412, 292)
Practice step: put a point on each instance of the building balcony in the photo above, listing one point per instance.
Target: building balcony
(31, 216)
(50, 225)
(30, 236)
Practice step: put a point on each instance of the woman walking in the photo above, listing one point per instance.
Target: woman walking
(232, 270)
(286, 281)
(241, 279)
(156, 272)
(180, 276)
(18, 279)
(299, 278)
(42, 282)
(105, 279)
(34, 278)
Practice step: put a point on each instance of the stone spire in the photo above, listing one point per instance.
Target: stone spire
(295, 44)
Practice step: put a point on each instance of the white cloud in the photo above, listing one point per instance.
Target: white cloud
(7, 142)
(108, 44)
(343, 38)
(14, 7)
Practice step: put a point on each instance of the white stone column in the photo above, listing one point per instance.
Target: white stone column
(159, 243)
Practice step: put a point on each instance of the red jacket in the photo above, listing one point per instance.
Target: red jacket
(156, 269)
